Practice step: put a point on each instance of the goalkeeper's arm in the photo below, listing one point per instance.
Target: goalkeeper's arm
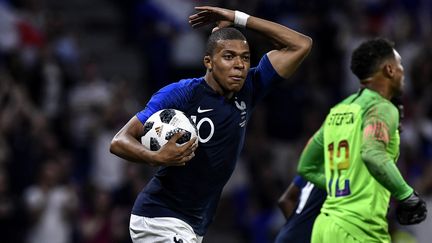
(384, 170)
(376, 136)
(379, 122)
(311, 163)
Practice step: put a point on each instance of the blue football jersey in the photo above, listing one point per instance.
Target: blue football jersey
(191, 192)
(298, 227)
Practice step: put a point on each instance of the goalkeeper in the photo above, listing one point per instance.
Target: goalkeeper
(359, 144)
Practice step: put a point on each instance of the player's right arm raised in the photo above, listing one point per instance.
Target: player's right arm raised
(291, 47)
(126, 145)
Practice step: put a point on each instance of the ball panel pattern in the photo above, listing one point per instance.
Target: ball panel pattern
(163, 124)
(167, 115)
(154, 144)
(147, 127)
(183, 139)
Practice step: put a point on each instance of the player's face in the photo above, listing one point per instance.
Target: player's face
(398, 82)
(229, 65)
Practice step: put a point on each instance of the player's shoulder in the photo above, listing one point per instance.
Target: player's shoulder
(368, 99)
(386, 105)
(183, 84)
(374, 101)
(182, 89)
(175, 95)
(263, 68)
(299, 181)
(190, 82)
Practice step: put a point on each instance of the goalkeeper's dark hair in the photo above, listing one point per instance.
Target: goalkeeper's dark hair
(367, 58)
(222, 34)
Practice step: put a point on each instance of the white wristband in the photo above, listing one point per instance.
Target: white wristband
(240, 19)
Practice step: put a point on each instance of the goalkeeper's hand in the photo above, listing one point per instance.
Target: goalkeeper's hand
(411, 210)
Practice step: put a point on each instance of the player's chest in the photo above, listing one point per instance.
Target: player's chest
(217, 118)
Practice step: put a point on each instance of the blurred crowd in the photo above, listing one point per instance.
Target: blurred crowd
(59, 112)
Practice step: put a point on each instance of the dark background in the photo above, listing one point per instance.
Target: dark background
(73, 72)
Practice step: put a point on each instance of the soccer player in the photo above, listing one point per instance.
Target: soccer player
(353, 154)
(300, 204)
(180, 201)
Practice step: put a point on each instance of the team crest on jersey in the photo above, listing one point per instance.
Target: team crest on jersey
(242, 107)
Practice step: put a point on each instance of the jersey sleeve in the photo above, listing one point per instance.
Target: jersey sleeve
(380, 121)
(311, 164)
(299, 181)
(264, 76)
(172, 96)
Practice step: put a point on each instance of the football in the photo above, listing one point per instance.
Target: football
(163, 124)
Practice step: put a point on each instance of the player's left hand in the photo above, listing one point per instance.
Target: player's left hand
(411, 210)
(207, 15)
(172, 154)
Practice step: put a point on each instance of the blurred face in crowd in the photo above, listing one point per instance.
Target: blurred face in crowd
(50, 173)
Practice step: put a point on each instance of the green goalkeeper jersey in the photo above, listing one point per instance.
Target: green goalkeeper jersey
(359, 140)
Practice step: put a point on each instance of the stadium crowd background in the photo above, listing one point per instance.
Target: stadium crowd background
(72, 72)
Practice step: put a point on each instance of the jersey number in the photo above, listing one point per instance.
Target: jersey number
(342, 166)
(199, 124)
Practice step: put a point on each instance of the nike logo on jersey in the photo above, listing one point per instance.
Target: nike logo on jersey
(203, 110)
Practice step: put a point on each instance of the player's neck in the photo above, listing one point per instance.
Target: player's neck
(378, 85)
(216, 87)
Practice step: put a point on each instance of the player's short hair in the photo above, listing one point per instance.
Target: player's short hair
(367, 58)
(222, 34)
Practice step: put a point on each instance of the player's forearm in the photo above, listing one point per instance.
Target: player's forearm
(312, 173)
(288, 200)
(282, 36)
(384, 170)
(130, 149)
(291, 47)
(311, 164)
(287, 208)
